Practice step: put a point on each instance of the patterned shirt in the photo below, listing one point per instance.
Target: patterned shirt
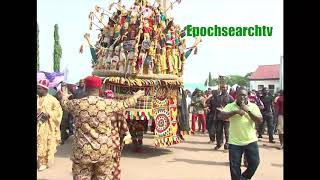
(199, 103)
(95, 118)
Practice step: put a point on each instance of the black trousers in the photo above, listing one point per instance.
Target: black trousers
(222, 126)
(66, 126)
(211, 126)
(270, 125)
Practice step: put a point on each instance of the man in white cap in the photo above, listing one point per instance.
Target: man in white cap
(49, 115)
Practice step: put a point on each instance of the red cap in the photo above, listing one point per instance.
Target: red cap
(44, 83)
(93, 82)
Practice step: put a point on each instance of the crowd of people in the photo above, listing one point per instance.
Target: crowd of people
(240, 116)
(234, 120)
(202, 105)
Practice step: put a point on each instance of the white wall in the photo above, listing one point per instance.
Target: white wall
(254, 84)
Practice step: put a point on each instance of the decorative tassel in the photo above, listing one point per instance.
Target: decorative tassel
(97, 8)
(91, 16)
(111, 5)
(81, 49)
(90, 25)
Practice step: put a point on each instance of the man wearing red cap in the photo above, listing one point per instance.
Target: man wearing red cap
(95, 151)
(49, 115)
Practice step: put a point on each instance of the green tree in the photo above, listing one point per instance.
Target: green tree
(37, 47)
(236, 79)
(211, 81)
(206, 82)
(248, 75)
(57, 50)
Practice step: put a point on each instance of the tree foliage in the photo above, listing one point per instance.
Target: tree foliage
(57, 50)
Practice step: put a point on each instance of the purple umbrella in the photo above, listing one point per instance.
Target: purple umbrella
(54, 78)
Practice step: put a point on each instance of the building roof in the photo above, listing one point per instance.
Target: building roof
(266, 72)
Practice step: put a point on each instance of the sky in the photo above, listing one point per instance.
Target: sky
(218, 55)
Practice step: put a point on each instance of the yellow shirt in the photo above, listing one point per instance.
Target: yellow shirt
(242, 128)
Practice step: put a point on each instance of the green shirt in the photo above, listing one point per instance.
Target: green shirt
(242, 128)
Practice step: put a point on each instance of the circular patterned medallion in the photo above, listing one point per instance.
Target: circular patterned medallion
(162, 121)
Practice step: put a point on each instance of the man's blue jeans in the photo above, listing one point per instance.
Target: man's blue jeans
(252, 155)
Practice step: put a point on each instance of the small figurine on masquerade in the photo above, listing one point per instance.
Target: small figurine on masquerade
(162, 19)
(170, 60)
(93, 50)
(122, 60)
(156, 17)
(133, 17)
(176, 61)
(154, 33)
(140, 61)
(157, 62)
(106, 36)
(114, 62)
(109, 58)
(115, 58)
(131, 67)
(169, 40)
(116, 31)
(124, 14)
(124, 31)
(132, 32)
(101, 57)
(152, 54)
(162, 40)
(146, 30)
(149, 63)
(111, 35)
(163, 61)
(146, 12)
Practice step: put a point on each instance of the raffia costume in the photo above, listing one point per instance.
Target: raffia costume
(48, 133)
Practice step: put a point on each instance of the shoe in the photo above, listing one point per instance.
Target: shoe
(280, 148)
(260, 136)
(226, 146)
(272, 142)
(217, 147)
(210, 142)
(42, 167)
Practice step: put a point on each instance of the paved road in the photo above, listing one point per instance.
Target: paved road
(193, 159)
